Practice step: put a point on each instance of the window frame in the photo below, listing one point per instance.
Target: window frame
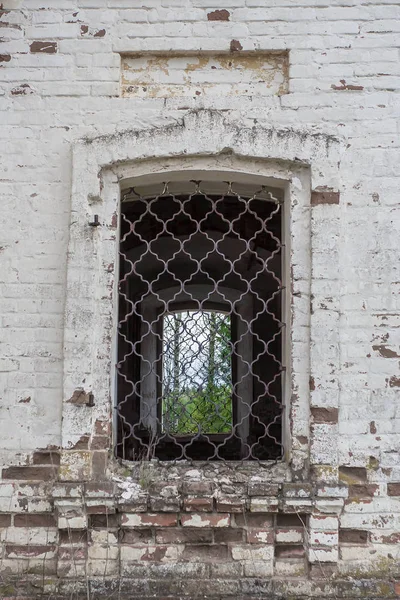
(204, 141)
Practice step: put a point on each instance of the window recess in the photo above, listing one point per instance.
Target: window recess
(200, 330)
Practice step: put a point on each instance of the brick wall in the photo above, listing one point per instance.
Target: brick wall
(147, 530)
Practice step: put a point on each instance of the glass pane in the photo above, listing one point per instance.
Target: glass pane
(197, 375)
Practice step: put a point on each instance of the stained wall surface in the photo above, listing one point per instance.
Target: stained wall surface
(105, 77)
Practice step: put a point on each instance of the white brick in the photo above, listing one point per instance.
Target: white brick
(345, 256)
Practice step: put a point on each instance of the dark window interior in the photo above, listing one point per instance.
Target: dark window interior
(199, 369)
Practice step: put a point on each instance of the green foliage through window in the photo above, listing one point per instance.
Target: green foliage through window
(197, 374)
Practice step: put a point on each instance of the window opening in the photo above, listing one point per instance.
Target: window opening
(199, 370)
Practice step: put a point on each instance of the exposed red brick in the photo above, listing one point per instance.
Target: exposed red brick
(23, 90)
(135, 536)
(252, 520)
(84, 29)
(28, 551)
(385, 352)
(198, 504)
(80, 397)
(393, 489)
(183, 536)
(5, 57)
(100, 442)
(324, 415)
(30, 473)
(289, 551)
(5, 520)
(151, 519)
(205, 553)
(260, 536)
(102, 427)
(372, 427)
(283, 520)
(362, 490)
(46, 458)
(47, 47)
(98, 509)
(346, 86)
(397, 588)
(353, 536)
(99, 33)
(35, 520)
(218, 15)
(72, 536)
(224, 536)
(165, 504)
(324, 196)
(99, 464)
(391, 538)
(82, 443)
(394, 381)
(209, 520)
(353, 474)
(103, 521)
(72, 553)
(230, 504)
(235, 46)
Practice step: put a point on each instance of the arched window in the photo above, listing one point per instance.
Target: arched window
(199, 368)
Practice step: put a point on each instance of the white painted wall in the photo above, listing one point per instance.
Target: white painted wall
(344, 81)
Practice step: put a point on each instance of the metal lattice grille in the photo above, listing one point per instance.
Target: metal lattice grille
(200, 326)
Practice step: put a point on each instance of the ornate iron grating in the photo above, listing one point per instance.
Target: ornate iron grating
(200, 330)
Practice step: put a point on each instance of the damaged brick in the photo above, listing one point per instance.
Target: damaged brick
(324, 415)
(393, 489)
(30, 473)
(235, 46)
(324, 196)
(353, 536)
(385, 352)
(394, 381)
(218, 15)
(352, 475)
(347, 86)
(22, 90)
(47, 47)
(80, 397)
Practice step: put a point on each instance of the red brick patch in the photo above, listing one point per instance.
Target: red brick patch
(5, 520)
(30, 473)
(324, 196)
(35, 520)
(198, 504)
(289, 551)
(47, 47)
(325, 415)
(260, 536)
(353, 536)
(149, 519)
(393, 489)
(202, 520)
(362, 490)
(218, 15)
